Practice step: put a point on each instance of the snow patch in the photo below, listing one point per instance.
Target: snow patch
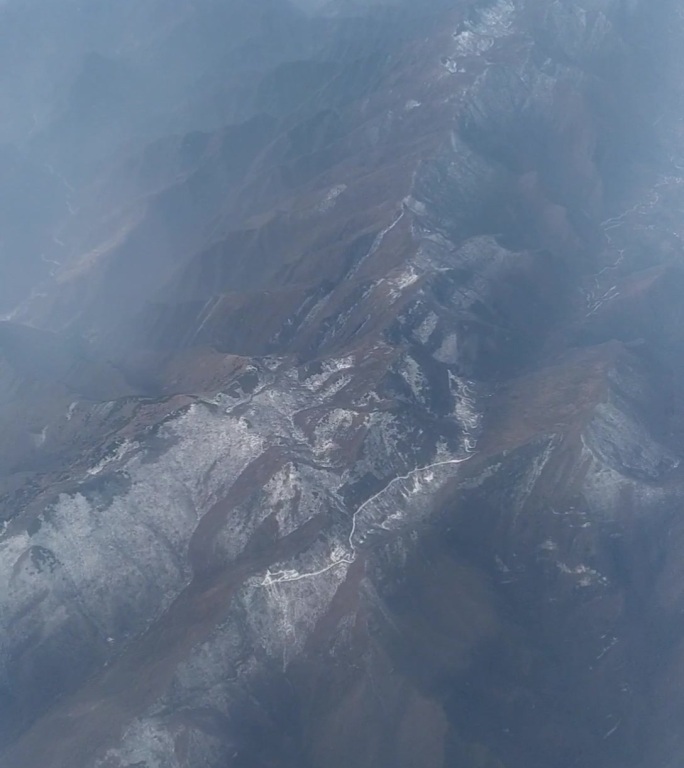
(425, 330)
(330, 199)
(401, 282)
(492, 23)
(114, 457)
(586, 576)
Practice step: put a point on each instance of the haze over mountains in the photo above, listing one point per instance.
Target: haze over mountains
(341, 384)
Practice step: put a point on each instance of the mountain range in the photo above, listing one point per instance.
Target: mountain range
(341, 384)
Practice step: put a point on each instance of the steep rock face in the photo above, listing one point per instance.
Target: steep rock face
(372, 455)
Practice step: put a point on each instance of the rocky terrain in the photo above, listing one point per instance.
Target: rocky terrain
(341, 384)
